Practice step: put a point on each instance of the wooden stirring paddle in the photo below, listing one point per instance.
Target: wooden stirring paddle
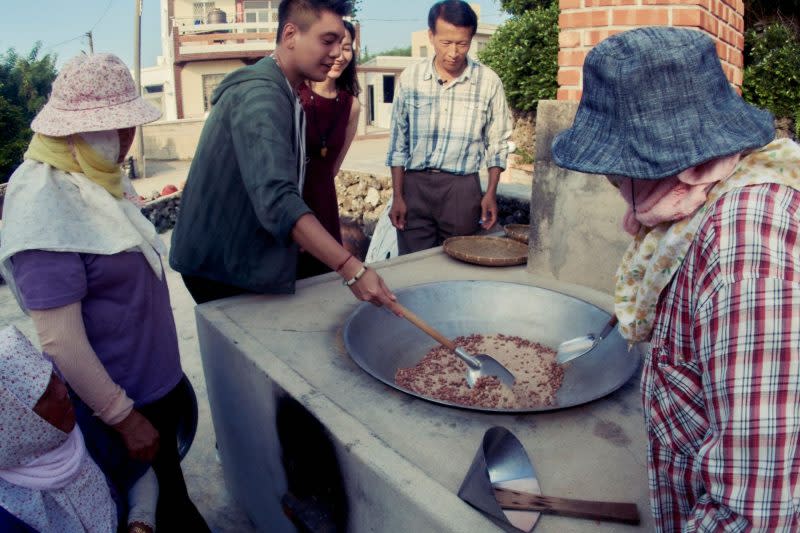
(627, 513)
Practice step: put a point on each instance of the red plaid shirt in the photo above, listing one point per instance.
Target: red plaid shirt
(721, 385)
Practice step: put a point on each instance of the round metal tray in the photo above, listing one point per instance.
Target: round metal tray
(380, 343)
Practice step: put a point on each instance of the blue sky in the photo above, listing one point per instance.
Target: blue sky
(61, 25)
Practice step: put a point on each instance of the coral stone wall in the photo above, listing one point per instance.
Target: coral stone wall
(584, 23)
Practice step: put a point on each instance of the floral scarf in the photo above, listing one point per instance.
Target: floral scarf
(656, 253)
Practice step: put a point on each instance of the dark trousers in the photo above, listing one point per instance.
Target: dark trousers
(205, 290)
(175, 512)
(439, 205)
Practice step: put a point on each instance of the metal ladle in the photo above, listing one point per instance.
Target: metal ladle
(579, 346)
(478, 365)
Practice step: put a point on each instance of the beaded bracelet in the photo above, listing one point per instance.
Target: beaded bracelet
(355, 278)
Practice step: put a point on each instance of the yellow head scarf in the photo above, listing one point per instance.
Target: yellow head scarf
(73, 154)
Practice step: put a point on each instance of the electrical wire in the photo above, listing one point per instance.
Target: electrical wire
(64, 42)
(82, 35)
(103, 15)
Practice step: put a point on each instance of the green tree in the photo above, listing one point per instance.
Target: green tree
(772, 69)
(25, 83)
(524, 53)
(397, 51)
(14, 137)
(356, 8)
(519, 7)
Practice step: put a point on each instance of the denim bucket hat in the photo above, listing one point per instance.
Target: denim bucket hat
(656, 102)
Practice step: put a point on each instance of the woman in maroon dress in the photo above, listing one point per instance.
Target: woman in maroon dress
(332, 111)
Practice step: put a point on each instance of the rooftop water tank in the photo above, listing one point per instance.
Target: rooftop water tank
(216, 16)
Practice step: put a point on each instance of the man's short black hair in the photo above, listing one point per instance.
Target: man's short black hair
(305, 12)
(456, 12)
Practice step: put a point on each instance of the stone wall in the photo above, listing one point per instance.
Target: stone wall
(362, 197)
(163, 212)
(524, 137)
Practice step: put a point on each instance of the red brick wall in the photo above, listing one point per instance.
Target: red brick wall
(584, 23)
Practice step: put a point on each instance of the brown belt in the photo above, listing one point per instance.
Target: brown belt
(431, 170)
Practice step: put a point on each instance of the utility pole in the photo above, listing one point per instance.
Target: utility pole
(137, 78)
(91, 41)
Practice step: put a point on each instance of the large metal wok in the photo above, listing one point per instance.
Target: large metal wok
(380, 342)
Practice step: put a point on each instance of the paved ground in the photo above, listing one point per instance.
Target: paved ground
(202, 470)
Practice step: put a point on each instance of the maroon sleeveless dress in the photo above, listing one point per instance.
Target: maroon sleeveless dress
(326, 124)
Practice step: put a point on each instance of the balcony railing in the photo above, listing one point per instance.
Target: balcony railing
(199, 38)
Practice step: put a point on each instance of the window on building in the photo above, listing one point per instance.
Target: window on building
(257, 11)
(156, 99)
(423, 51)
(152, 89)
(210, 82)
(200, 11)
(388, 89)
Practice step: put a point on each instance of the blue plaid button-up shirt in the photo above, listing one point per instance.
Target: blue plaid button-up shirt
(454, 127)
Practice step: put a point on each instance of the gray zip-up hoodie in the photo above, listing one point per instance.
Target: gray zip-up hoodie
(241, 199)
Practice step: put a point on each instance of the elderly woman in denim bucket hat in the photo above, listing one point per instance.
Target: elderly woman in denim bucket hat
(85, 264)
(711, 279)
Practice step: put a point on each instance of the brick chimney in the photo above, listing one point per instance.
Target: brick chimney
(584, 23)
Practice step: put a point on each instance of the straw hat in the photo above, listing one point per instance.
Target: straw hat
(656, 102)
(93, 93)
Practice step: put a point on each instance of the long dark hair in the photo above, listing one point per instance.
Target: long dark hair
(348, 81)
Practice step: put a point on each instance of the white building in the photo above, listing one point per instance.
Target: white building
(377, 78)
(158, 88)
(204, 41)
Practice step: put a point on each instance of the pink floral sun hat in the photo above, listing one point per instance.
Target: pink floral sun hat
(93, 93)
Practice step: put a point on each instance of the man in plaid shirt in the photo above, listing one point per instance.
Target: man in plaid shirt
(449, 116)
(711, 279)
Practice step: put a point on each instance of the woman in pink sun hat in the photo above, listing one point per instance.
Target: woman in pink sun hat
(85, 264)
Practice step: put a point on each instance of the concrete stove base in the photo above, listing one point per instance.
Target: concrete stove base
(375, 458)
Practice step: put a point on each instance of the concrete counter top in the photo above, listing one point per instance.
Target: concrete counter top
(402, 458)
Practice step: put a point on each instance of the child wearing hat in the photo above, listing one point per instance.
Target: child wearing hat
(86, 265)
(48, 481)
(710, 279)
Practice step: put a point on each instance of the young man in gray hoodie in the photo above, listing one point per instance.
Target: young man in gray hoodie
(242, 215)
